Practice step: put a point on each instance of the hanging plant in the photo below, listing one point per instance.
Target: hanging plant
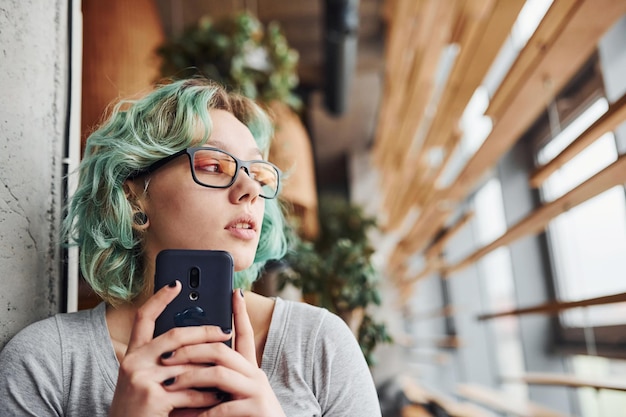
(238, 52)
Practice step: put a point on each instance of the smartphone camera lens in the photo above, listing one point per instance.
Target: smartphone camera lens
(193, 296)
(194, 277)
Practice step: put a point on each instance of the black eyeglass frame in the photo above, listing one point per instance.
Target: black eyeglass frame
(190, 152)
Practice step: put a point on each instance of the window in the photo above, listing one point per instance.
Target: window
(497, 277)
(587, 243)
(602, 402)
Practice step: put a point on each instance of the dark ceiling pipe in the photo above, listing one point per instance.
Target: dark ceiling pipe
(341, 25)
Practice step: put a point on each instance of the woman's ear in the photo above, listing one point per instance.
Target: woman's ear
(130, 187)
(141, 222)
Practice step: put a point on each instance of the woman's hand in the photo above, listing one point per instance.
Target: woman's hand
(235, 372)
(142, 385)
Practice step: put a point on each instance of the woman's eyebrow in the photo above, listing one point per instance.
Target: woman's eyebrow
(217, 144)
(254, 151)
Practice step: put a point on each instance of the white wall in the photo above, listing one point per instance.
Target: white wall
(33, 106)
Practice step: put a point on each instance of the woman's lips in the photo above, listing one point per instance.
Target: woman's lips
(242, 229)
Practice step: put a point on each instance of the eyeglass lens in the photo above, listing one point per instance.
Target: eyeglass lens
(217, 169)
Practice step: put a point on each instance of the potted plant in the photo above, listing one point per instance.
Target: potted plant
(335, 270)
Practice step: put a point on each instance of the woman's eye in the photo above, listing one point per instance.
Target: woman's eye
(206, 168)
(209, 166)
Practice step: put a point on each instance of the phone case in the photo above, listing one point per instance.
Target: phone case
(206, 296)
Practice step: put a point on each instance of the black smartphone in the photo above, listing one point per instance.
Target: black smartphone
(206, 296)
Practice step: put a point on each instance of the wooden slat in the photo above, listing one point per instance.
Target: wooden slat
(426, 226)
(556, 307)
(402, 55)
(398, 194)
(555, 53)
(418, 91)
(480, 29)
(414, 410)
(608, 122)
(446, 311)
(449, 342)
(429, 187)
(535, 222)
(405, 293)
(501, 402)
(414, 59)
(574, 45)
(553, 23)
(444, 341)
(469, 27)
(430, 268)
(421, 395)
(574, 381)
(487, 30)
(437, 247)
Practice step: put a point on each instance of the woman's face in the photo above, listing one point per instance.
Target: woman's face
(186, 215)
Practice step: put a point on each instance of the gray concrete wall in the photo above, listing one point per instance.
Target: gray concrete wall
(33, 106)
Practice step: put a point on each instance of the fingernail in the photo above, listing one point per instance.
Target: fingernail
(227, 331)
(169, 381)
(172, 284)
(241, 292)
(167, 355)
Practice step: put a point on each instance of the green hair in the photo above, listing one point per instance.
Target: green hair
(137, 133)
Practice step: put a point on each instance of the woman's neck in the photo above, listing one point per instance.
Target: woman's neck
(260, 310)
(120, 321)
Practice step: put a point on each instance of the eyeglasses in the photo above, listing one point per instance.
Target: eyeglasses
(215, 168)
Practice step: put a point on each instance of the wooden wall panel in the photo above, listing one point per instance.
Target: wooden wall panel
(119, 40)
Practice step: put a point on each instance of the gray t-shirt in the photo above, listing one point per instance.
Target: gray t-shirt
(66, 366)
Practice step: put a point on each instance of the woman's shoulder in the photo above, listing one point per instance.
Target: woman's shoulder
(48, 358)
(299, 333)
(310, 321)
(319, 348)
(32, 335)
(48, 333)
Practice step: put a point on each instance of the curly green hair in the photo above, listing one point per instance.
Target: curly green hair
(137, 133)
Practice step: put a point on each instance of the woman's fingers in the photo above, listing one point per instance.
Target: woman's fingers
(244, 342)
(213, 354)
(249, 394)
(143, 329)
(194, 399)
(147, 314)
(178, 359)
(233, 371)
(171, 341)
(219, 377)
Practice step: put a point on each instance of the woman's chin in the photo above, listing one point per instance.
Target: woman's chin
(242, 262)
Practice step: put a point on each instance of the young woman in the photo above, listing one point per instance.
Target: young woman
(183, 168)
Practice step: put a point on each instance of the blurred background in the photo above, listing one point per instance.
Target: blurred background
(455, 175)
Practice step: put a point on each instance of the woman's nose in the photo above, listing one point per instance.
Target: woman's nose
(245, 187)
